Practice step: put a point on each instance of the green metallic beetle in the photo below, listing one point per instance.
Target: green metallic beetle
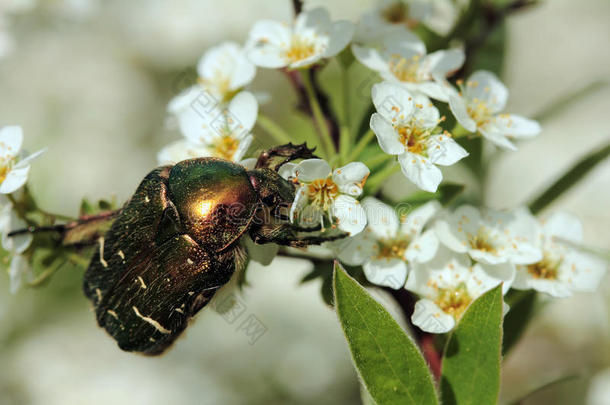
(176, 242)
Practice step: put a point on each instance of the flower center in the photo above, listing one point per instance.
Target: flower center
(322, 192)
(405, 70)
(454, 301)
(481, 241)
(5, 167)
(547, 268)
(300, 48)
(392, 248)
(413, 137)
(479, 112)
(225, 147)
(220, 84)
(395, 13)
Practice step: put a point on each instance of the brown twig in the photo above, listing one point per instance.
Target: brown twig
(297, 6)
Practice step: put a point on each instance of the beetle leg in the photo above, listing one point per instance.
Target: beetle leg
(286, 235)
(288, 151)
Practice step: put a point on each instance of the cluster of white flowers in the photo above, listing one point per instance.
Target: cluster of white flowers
(216, 115)
(450, 258)
(14, 170)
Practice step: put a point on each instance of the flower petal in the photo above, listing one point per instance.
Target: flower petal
(14, 180)
(441, 63)
(229, 60)
(389, 273)
(381, 218)
(340, 35)
(11, 139)
(386, 135)
(355, 250)
(585, 271)
(312, 169)
(514, 126)
(504, 273)
(416, 220)
(181, 150)
(420, 171)
(497, 137)
(349, 214)
(563, 225)
(351, 178)
(430, 318)
(443, 150)
(423, 248)
(266, 43)
(485, 86)
(243, 110)
(392, 101)
(242, 148)
(457, 105)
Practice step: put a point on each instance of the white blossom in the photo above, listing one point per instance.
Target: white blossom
(327, 197)
(447, 285)
(313, 37)
(400, 57)
(223, 71)
(490, 236)
(477, 108)
(392, 14)
(406, 126)
(16, 245)
(14, 163)
(564, 268)
(223, 133)
(390, 244)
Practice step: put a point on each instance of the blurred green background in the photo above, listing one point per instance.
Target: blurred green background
(90, 80)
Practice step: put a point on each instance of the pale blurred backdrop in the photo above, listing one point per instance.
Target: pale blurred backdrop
(90, 80)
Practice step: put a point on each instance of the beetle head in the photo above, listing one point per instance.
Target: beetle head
(275, 193)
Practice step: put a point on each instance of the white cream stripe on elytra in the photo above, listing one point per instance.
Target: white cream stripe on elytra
(141, 280)
(151, 321)
(104, 262)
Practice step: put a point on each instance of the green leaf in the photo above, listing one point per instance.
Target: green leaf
(445, 194)
(522, 305)
(471, 362)
(570, 178)
(388, 361)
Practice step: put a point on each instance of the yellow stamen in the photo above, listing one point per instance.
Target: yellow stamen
(413, 137)
(454, 301)
(322, 193)
(405, 70)
(481, 241)
(547, 268)
(300, 49)
(392, 248)
(225, 147)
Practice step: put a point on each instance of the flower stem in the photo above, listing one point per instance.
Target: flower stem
(345, 134)
(459, 131)
(273, 129)
(319, 119)
(376, 160)
(361, 145)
